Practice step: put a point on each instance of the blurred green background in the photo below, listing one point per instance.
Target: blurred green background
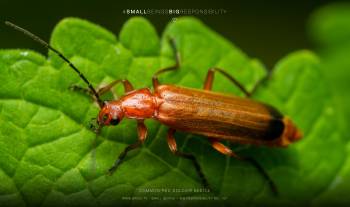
(267, 30)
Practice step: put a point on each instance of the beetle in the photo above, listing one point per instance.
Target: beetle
(214, 115)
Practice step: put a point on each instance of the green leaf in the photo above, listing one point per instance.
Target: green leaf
(46, 146)
(330, 27)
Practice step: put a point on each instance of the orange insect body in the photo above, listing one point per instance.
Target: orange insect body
(206, 113)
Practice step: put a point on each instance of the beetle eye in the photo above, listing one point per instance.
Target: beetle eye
(114, 121)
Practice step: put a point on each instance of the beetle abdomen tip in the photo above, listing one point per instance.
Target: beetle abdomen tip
(291, 133)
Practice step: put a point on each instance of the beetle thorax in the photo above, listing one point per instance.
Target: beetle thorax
(138, 104)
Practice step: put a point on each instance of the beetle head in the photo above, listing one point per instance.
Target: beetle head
(110, 114)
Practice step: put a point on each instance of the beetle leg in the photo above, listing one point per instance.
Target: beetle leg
(210, 78)
(174, 150)
(227, 151)
(80, 89)
(127, 87)
(155, 80)
(142, 134)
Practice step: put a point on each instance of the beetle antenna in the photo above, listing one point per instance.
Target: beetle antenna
(45, 44)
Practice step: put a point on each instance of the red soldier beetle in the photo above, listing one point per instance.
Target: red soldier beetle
(217, 116)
